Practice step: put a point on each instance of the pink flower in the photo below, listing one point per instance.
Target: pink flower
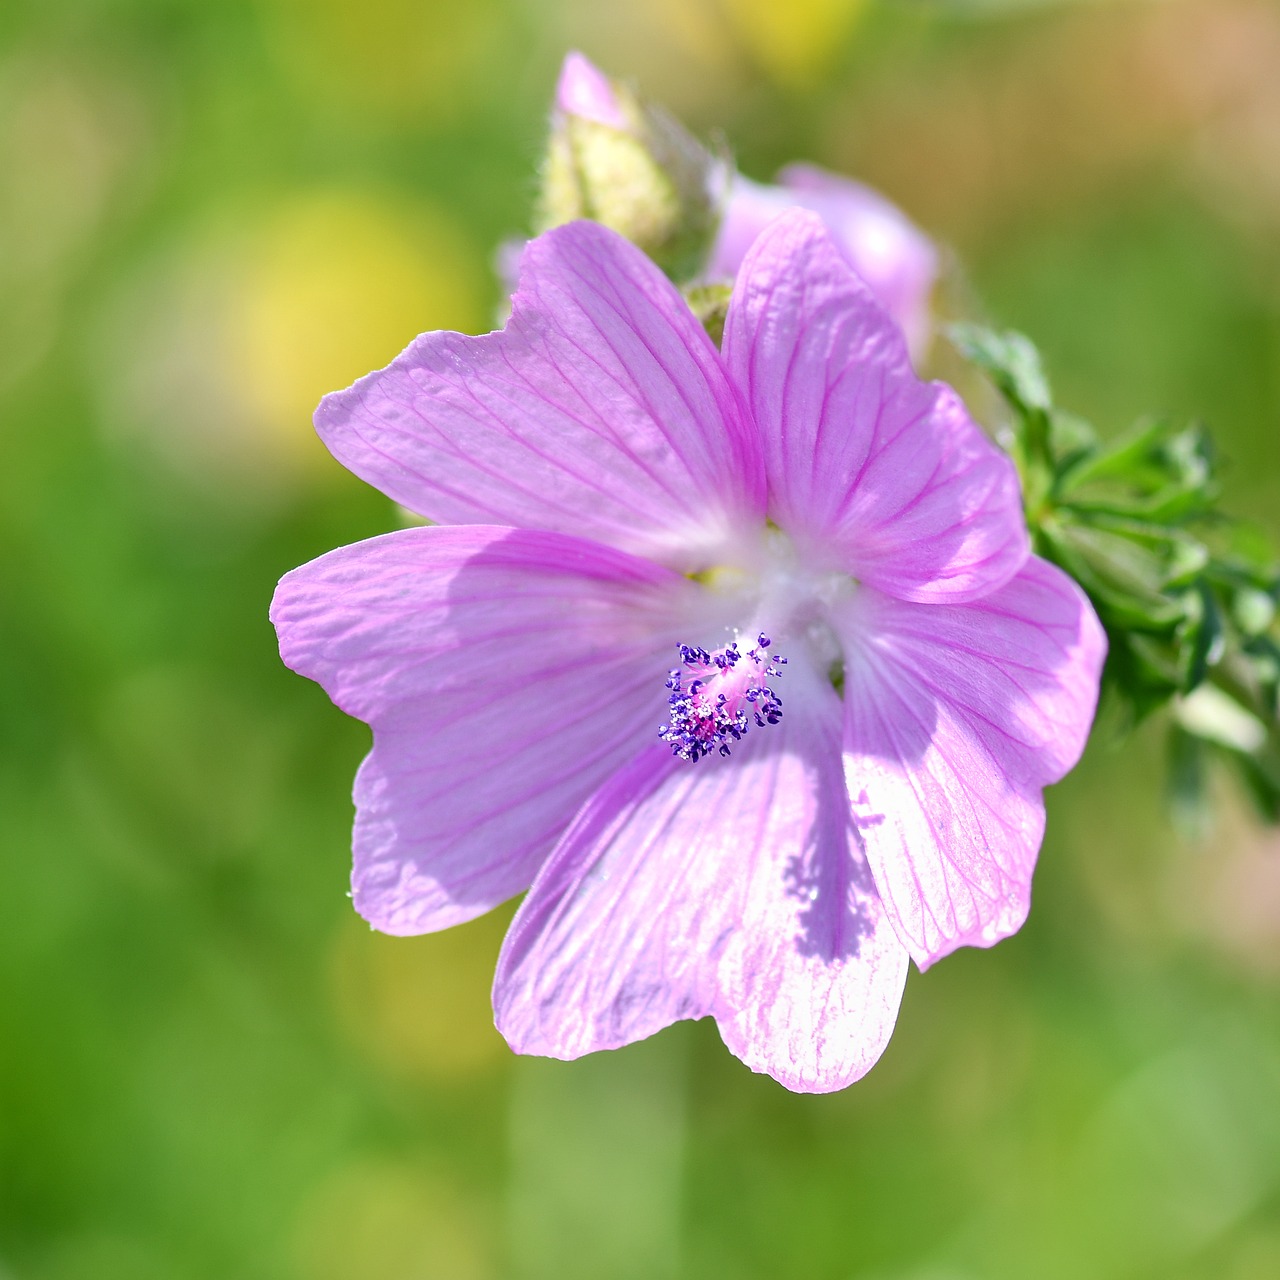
(576, 680)
(584, 90)
(894, 257)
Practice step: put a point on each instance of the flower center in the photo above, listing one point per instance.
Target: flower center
(772, 586)
(717, 696)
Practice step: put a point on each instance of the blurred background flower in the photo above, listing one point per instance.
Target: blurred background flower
(209, 215)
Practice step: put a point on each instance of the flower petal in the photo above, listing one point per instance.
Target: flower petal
(956, 717)
(602, 409)
(730, 887)
(584, 90)
(884, 474)
(890, 254)
(506, 674)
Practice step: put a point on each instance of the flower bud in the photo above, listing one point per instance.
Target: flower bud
(625, 163)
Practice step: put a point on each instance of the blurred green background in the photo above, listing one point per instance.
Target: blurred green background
(212, 213)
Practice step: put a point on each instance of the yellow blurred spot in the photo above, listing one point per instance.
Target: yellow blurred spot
(796, 40)
(676, 52)
(421, 1007)
(419, 59)
(392, 1221)
(66, 138)
(336, 285)
(70, 138)
(695, 26)
(217, 354)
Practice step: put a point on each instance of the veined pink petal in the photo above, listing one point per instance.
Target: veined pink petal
(506, 674)
(730, 887)
(896, 260)
(885, 476)
(602, 409)
(956, 717)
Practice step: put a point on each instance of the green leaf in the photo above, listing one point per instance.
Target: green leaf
(1154, 473)
(1141, 671)
(1261, 779)
(1011, 360)
(1190, 600)
(1200, 636)
(1125, 578)
(1071, 440)
(1187, 785)
(1260, 656)
(1013, 364)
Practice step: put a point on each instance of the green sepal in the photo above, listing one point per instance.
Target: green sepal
(1125, 577)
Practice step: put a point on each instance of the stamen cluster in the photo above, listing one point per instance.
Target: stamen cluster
(726, 691)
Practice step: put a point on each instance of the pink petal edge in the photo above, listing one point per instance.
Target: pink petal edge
(730, 888)
(505, 673)
(956, 718)
(601, 410)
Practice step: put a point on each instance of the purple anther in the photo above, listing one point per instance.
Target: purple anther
(729, 690)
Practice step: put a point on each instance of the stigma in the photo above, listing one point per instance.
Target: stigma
(716, 697)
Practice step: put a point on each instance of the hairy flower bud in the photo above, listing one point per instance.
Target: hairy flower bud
(616, 159)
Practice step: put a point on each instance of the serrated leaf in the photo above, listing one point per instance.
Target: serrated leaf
(1155, 473)
(1200, 637)
(1011, 360)
(1190, 601)
(1071, 438)
(1123, 458)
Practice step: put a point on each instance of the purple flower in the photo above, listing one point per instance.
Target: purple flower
(576, 680)
(893, 256)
